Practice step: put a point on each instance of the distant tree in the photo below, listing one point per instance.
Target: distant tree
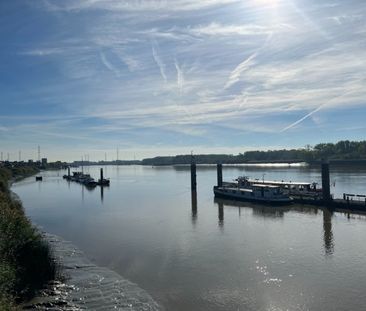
(342, 150)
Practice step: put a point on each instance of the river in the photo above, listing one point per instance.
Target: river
(210, 254)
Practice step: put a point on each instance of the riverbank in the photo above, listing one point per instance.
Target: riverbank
(86, 286)
(26, 262)
(76, 284)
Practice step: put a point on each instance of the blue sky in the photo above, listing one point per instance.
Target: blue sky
(166, 77)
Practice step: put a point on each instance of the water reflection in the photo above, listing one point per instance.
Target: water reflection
(82, 194)
(194, 207)
(101, 194)
(328, 233)
(221, 214)
(279, 212)
(258, 210)
(270, 211)
(305, 209)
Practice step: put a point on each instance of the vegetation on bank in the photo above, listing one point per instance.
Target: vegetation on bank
(26, 262)
(342, 150)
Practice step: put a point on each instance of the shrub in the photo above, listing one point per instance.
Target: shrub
(26, 262)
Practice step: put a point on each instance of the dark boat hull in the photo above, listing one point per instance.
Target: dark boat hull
(236, 197)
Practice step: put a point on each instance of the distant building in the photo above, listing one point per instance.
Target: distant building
(44, 161)
(30, 161)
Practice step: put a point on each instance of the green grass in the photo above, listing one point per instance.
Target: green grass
(26, 262)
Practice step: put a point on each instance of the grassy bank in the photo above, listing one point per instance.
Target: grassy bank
(26, 263)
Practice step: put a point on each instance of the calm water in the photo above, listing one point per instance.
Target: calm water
(215, 255)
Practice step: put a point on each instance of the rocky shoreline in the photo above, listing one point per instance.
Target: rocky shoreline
(84, 286)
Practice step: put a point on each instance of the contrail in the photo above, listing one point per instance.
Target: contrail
(302, 119)
(312, 112)
(235, 74)
(180, 77)
(108, 64)
(158, 60)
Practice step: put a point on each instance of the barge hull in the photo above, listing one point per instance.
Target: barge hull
(228, 196)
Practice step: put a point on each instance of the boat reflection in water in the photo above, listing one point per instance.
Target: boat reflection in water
(258, 209)
(279, 212)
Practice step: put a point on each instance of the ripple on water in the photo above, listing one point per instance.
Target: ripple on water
(89, 287)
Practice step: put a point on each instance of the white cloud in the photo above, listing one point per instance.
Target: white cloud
(44, 51)
(230, 66)
(216, 29)
(134, 5)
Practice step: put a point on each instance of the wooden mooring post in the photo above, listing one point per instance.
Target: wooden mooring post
(68, 172)
(101, 175)
(326, 181)
(219, 175)
(193, 177)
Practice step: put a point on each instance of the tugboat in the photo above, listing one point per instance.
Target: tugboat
(244, 190)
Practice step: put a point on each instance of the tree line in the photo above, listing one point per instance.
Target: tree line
(342, 150)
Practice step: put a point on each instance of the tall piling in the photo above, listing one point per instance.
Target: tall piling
(193, 177)
(326, 181)
(101, 175)
(219, 175)
(68, 171)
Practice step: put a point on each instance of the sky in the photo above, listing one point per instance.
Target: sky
(165, 77)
